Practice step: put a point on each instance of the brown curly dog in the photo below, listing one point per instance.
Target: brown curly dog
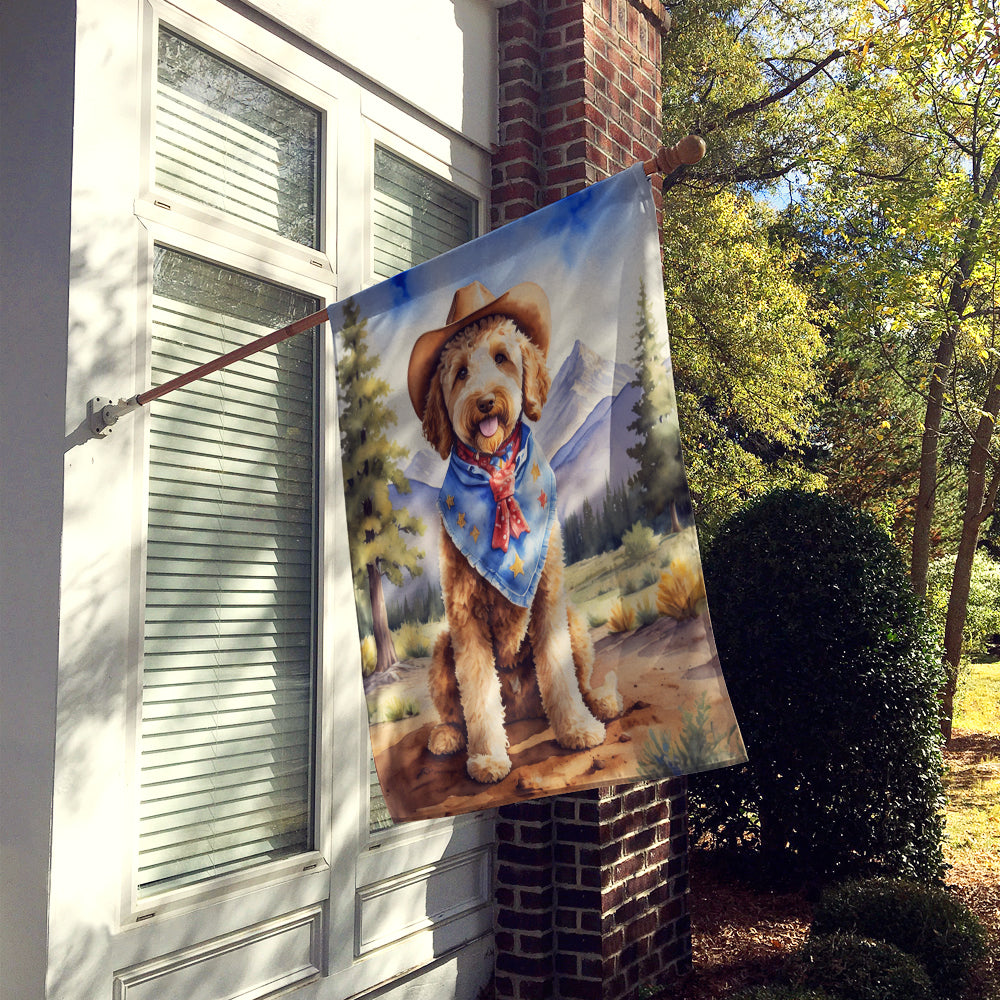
(472, 382)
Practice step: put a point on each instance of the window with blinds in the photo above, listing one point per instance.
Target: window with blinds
(416, 216)
(228, 672)
(225, 139)
(228, 656)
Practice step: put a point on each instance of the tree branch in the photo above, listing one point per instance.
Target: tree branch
(754, 106)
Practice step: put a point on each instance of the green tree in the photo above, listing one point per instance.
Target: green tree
(747, 355)
(912, 182)
(745, 76)
(371, 461)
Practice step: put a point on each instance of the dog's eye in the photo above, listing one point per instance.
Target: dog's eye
(462, 374)
(500, 357)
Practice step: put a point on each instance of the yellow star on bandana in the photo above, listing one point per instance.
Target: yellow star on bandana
(461, 520)
(450, 501)
(474, 531)
(535, 472)
(517, 567)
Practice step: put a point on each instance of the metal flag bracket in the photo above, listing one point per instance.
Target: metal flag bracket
(103, 413)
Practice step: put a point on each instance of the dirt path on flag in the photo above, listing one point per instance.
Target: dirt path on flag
(664, 670)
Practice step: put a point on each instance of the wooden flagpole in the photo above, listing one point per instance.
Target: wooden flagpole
(688, 151)
(102, 413)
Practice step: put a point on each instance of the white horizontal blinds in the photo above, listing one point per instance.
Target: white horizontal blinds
(228, 656)
(226, 139)
(417, 215)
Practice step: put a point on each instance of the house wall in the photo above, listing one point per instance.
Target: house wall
(72, 293)
(36, 117)
(75, 294)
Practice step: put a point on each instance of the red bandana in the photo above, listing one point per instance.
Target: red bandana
(509, 519)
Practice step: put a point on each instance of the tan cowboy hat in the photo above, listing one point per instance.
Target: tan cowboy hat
(525, 303)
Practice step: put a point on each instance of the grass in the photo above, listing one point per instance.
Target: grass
(595, 583)
(973, 809)
(973, 784)
(978, 699)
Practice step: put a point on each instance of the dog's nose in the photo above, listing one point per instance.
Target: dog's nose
(485, 405)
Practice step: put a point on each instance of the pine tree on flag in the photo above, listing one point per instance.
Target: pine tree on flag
(372, 463)
(660, 476)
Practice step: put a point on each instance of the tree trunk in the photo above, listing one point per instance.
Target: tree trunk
(920, 553)
(385, 649)
(675, 521)
(979, 500)
(958, 299)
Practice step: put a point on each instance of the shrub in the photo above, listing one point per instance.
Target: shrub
(639, 541)
(926, 922)
(681, 593)
(633, 584)
(396, 709)
(697, 746)
(622, 617)
(833, 673)
(857, 968)
(782, 993)
(369, 654)
(645, 614)
(411, 642)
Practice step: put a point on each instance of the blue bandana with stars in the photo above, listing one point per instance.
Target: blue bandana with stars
(513, 563)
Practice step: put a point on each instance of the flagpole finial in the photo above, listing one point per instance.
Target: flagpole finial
(668, 158)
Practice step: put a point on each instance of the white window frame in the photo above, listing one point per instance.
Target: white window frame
(349, 871)
(180, 224)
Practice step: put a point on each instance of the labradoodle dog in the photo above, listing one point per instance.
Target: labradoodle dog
(514, 647)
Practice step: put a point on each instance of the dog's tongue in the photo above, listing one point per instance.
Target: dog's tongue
(488, 427)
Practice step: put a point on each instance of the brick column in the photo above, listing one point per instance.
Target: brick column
(579, 96)
(591, 889)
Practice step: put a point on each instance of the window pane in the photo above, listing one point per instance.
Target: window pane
(416, 217)
(228, 140)
(228, 658)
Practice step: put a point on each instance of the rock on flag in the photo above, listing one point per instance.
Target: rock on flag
(529, 594)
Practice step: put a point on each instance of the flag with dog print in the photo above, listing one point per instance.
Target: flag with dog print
(531, 610)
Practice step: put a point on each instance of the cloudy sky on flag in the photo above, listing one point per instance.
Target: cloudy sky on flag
(563, 249)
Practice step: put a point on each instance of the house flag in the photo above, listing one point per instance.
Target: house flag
(528, 585)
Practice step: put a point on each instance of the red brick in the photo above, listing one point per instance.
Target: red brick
(515, 875)
(579, 942)
(564, 53)
(535, 967)
(521, 90)
(581, 989)
(567, 174)
(535, 899)
(541, 944)
(642, 883)
(551, 39)
(521, 920)
(567, 964)
(567, 133)
(518, 49)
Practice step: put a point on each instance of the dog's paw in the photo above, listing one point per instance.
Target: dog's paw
(605, 702)
(580, 733)
(445, 740)
(486, 769)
